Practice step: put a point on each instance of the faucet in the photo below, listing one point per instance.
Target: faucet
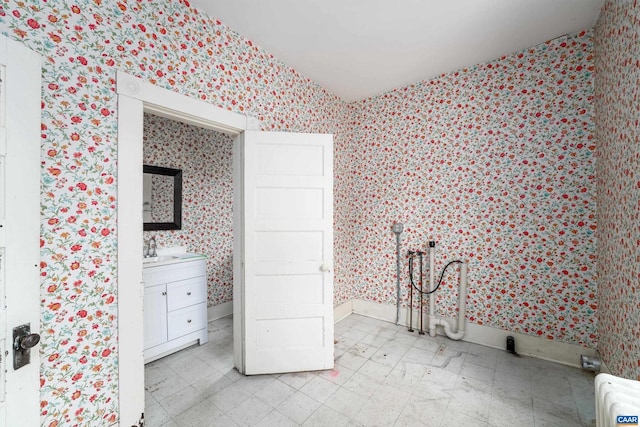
(152, 247)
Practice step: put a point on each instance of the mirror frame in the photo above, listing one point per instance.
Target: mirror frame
(177, 198)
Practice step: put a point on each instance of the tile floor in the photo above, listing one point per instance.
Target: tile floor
(384, 376)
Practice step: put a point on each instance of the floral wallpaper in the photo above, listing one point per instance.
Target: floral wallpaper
(161, 203)
(617, 88)
(496, 164)
(205, 158)
(83, 43)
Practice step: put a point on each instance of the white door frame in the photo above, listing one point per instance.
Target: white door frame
(136, 96)
(20, 117)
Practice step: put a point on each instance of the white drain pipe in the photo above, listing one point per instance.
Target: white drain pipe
(432, 284)
(397, 229)
(453, 332)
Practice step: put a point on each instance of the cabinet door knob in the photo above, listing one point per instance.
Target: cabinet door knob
(189, 293)
(164, 293)
(189, 321)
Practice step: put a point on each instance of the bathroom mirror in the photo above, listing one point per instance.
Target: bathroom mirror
(162, 198)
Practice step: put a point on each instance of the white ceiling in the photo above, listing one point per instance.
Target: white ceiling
(360, 48)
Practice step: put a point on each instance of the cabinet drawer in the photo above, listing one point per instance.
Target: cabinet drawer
(186, 292)
(172, 272)
(187, 320)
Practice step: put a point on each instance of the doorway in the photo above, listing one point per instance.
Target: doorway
(282, 234)
(135, 97)
(204, 158)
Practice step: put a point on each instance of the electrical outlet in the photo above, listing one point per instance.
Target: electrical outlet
(511, 345)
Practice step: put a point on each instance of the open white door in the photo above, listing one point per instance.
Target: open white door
(19, 232)
(287, 318)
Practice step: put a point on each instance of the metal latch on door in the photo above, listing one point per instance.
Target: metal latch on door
(23, 342)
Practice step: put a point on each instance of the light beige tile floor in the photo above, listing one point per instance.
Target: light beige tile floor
(384, 376)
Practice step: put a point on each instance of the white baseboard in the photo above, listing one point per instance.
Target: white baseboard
(529, 345)
(526, 345)
(387, 313)
(220, 310)
(342, 311)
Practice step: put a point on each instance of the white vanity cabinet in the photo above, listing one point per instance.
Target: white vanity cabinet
(175, 306)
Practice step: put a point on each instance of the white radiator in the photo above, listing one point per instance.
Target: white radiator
(617, 401)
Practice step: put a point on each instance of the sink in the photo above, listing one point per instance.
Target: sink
(162, 258)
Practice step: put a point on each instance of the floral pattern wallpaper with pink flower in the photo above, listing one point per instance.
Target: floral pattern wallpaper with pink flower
(172, 45)
(204, 156)
(161, 202)
(496, 164)
(617, 85)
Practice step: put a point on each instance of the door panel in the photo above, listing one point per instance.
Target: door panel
(301, 289)
(287, 247)
(289, 159)
(288, 251)
(289, 203)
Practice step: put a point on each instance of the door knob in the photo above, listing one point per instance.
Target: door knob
(26, 341)
(325, 268)
(23, 342)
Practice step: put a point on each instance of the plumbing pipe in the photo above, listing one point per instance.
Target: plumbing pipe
(421, 332)
(398, 296)
(450, 329)
(450, 324)
(410, 292)
(432, 285)
(462, 298)
(397, 229)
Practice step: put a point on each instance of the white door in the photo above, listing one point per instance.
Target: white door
(288, 252)
(19, 228)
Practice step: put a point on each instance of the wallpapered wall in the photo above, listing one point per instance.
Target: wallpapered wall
(173, 46)
(205, 158)
(496, 164)
(159, 206)
(617, 90)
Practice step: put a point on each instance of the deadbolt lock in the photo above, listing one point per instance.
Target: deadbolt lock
(23, 342)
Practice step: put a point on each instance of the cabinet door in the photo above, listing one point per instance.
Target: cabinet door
(155, 316)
